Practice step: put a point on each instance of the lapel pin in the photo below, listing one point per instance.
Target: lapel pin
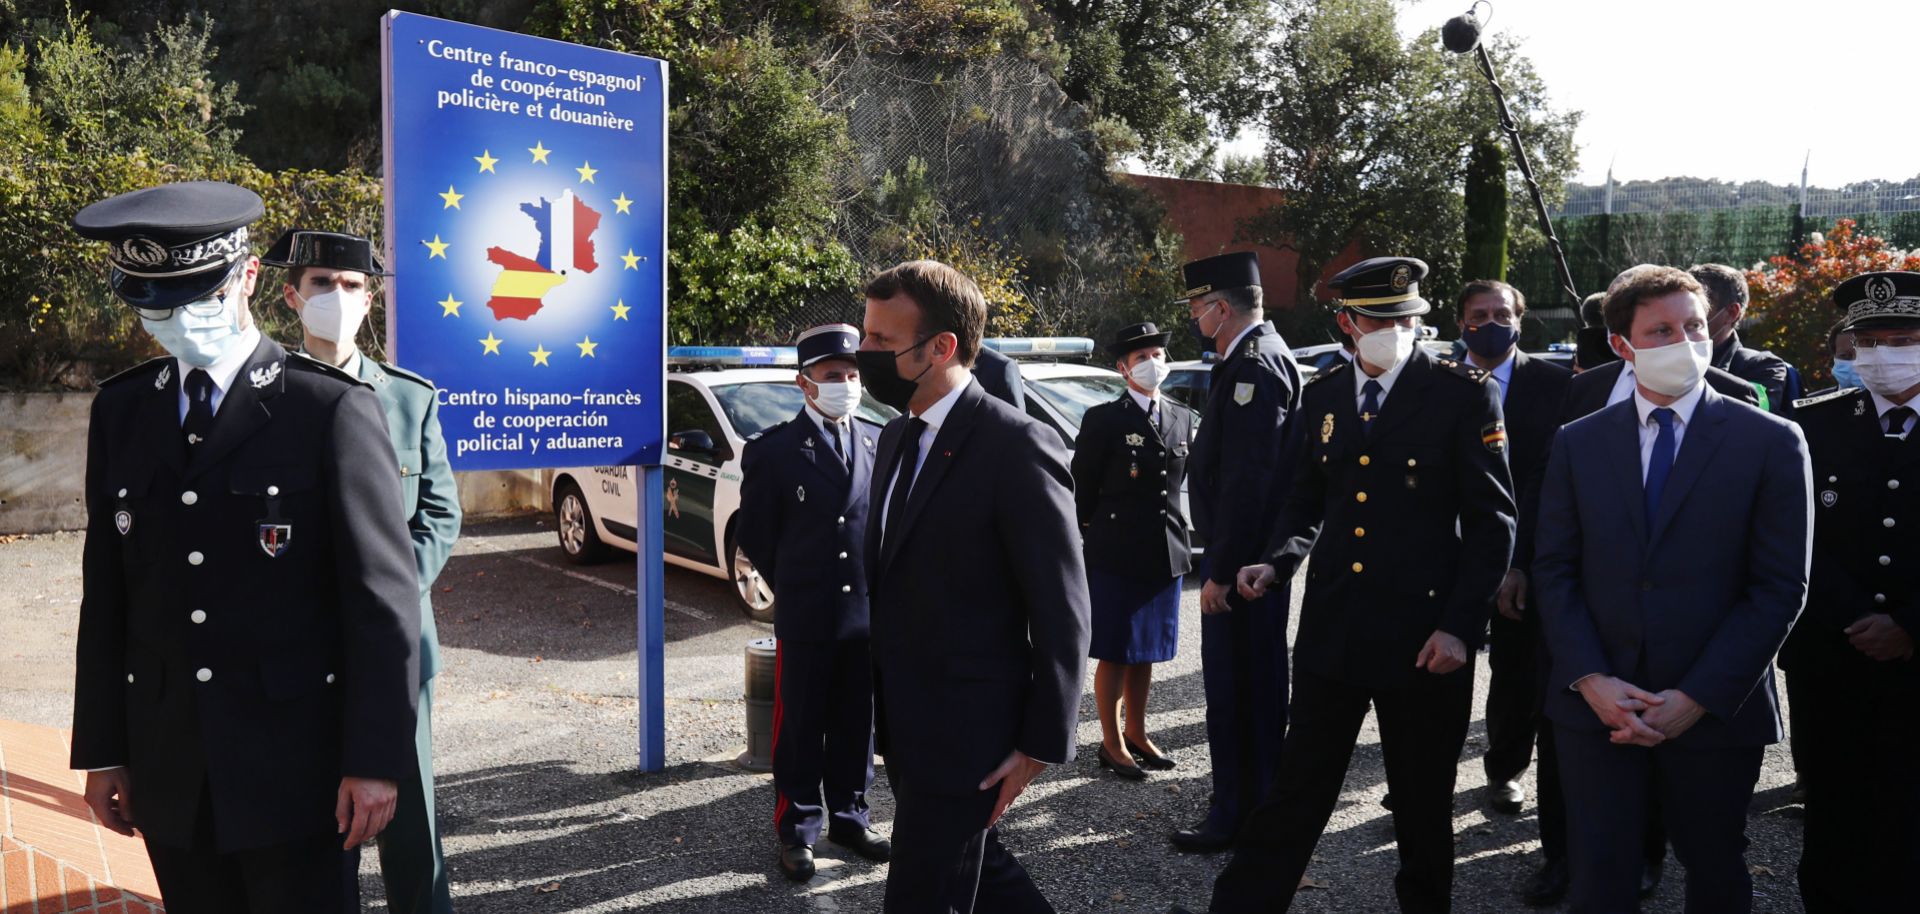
(261, 377)
(160, 383)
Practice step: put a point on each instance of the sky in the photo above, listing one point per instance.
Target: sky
(1766, 84)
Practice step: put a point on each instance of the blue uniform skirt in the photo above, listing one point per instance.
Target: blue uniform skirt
(1134, 620)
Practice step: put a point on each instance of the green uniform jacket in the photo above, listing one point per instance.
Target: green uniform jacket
(426, 482)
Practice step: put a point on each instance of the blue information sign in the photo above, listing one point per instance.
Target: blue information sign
(526, 228)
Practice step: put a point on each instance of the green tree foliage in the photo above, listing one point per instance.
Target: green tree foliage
(1486, 210)
(1792, 308)
(1371, 136)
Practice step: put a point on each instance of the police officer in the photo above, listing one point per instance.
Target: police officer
(1777, 382)
(327, 287)
(1242, 457)
(1128, 466)
(1850, 658)
(1404, 486)
(247, 659)
(803, 519)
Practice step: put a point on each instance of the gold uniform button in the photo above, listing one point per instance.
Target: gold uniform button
(1360, 497)
(1365, 460)
(1357, 567)
(1359, 531)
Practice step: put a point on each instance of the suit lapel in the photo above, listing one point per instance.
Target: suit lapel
(933, 468)
(1702, 438)
(816, 451)
(243, 409)
(862, 464)
(1621, 443)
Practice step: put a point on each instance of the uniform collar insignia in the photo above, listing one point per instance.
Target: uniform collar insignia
(1136, 440)
(264, 375)
(160, 383)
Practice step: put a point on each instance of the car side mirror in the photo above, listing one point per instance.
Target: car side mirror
(693, 441)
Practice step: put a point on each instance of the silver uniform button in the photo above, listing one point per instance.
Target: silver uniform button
(273, 490)
(1885, 560)
(129, 679)
(846, 588)
(1893, 483)
(1833, 479)
(198, 616)
(189, 497)
(1887, 522)
(843, 555)
(841, 521)
(195, 558)
(123, 493)
(1877, 598)
(329, 679)
(204, 675)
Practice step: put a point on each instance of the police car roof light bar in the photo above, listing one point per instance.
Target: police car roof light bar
(1037, 347)
(733, 356)
(1461, 34)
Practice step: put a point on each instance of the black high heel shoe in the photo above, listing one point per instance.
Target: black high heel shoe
(1129, 772)
(1149, 759)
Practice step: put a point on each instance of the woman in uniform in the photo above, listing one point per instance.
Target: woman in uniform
(1129, 465)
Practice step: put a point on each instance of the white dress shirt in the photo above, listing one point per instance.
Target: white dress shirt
(829, 427)
(222, 371)
(934, 417)
(1147, 404)
(1503, 373)
(1386, 379)
(1881, 405)
(1650, 428)
(1623, 386)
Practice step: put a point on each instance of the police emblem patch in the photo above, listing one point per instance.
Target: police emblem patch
(265, 375)
(1494, 436)
(1829, 497)
(123, 521)
(160, 383)
(1243, 393)
(274, 538)
(800, 493)
(1136, 440)
(1402, 277)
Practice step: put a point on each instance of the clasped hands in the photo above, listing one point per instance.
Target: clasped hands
(1636, 716)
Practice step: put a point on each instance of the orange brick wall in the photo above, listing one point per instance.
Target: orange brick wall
(1208, 215)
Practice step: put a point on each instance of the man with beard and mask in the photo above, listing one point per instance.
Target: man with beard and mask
(1851, 672)
(1531, 391)
(1404, 502)
(978, 597)
(1673, 569)
(249, 626)
(1777, 382)
(327, 287)
(1129, 464)
(1242, 460)
(803, 524)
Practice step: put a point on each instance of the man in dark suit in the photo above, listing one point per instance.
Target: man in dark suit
(1243, 457)
(1852, 676)
(1000, 376)
(1531, 392)
(1404, 467)
(803, 523)
(1673, 568)
(978, 595)
(327, 287)
(247, 658)
(1777, 382)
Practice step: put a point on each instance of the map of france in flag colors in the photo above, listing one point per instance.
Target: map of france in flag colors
(566, 229)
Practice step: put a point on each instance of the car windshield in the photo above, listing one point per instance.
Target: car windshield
(755, 406)
(1072, 395)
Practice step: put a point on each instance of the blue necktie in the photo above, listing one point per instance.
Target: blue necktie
(1660, 464)
(1370, 407)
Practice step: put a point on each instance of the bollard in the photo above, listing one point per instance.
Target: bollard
(760, 665)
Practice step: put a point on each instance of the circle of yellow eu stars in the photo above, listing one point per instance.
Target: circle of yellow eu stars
(450, 307)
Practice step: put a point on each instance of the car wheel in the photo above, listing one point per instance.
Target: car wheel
(754, 591)
(574, 523)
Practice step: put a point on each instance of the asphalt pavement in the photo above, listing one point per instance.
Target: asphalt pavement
(543, 810)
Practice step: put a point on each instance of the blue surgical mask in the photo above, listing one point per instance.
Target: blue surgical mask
(1491, 340)
(1845, 374)
(200, 333)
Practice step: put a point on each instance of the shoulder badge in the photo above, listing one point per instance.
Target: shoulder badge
(1243, 393)
(164, 363)
(1494, 436)
(1330, 372)
(1470, 372)
(1829, 396)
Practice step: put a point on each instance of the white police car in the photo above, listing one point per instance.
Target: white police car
(1058, 393)
(717, 398)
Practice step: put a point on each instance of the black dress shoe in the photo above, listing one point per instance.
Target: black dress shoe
(1127, 770)
(1650, 879)
(863, 841)
(1547, 885)
(1201, 839)
(1149, 759)
(1506, 797)
(796, 860)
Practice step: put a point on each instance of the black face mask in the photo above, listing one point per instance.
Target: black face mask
(1200, 336)
(880, 375)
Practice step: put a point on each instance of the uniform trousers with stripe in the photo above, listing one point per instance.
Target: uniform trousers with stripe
(822, 737)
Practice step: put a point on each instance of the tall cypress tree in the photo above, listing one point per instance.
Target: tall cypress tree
(1486, 210)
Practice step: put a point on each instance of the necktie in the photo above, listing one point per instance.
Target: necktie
(908, 461)
(839, 449)
(1153, 415)
(1370, 407)
(199, 387)
(1660, 463)
(1897, 420)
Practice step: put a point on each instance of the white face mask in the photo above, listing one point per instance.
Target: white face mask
(1149, 373)
(1674, 369)
(1888, 370)
(836, 399)
(333, 315)
(199, 334)
(1386, 348)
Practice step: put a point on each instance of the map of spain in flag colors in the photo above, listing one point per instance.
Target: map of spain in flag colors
(566, 243)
